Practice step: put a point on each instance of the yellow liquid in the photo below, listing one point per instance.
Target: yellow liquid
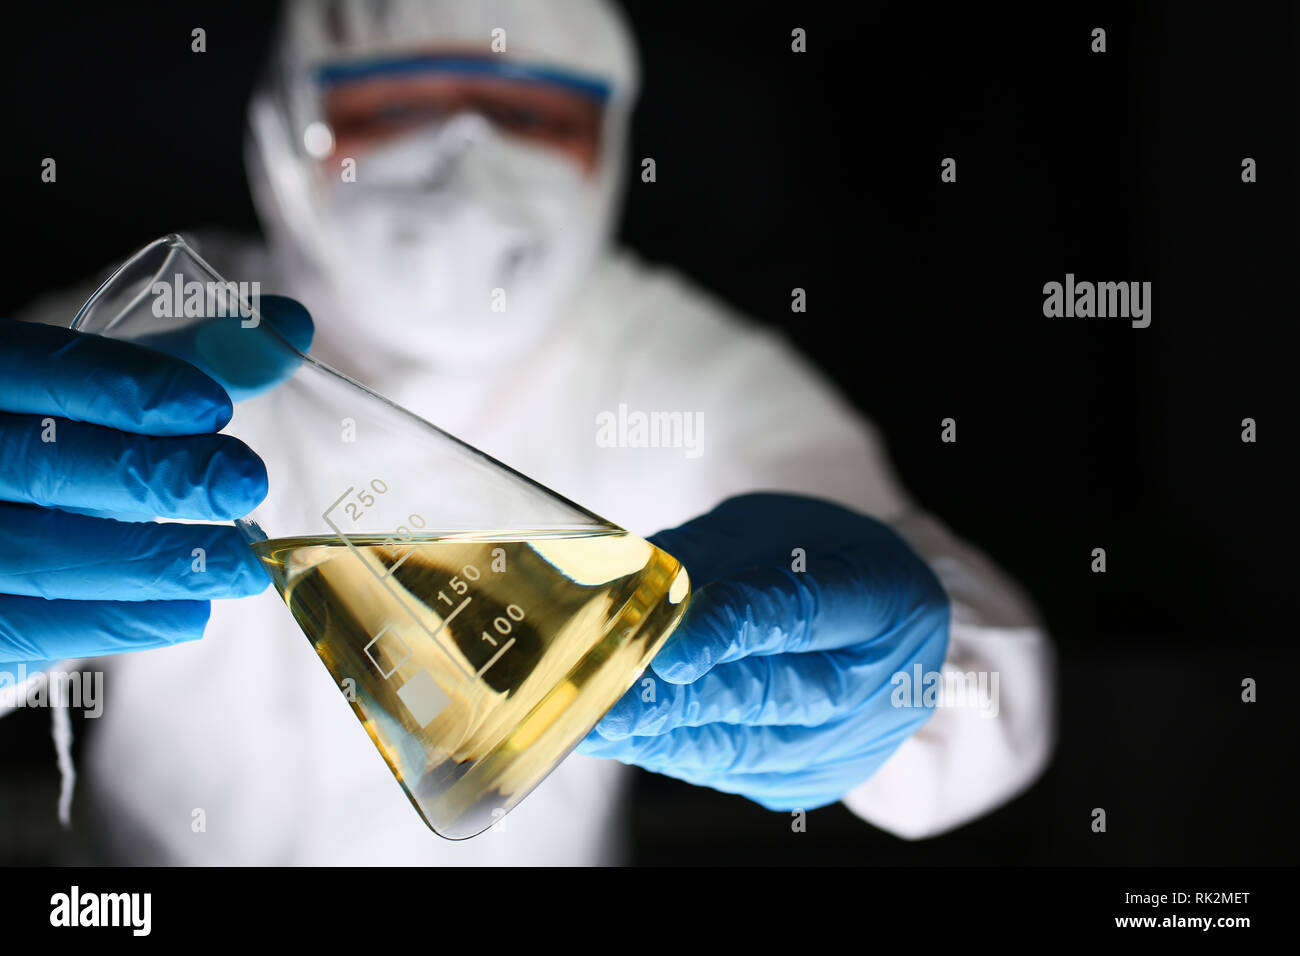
(477, 662)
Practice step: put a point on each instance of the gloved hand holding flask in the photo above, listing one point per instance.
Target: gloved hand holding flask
(778, 684)
(98, 437)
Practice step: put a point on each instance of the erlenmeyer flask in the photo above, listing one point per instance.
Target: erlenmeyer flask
(478, 623)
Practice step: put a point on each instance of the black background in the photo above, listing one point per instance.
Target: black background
(925, 302)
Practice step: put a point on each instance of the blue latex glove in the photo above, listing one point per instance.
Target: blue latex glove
(777, 683)
(135, 435)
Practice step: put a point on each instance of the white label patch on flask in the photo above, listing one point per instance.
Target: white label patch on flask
(423, 697)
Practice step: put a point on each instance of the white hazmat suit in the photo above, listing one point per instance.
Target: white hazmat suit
(246, 726)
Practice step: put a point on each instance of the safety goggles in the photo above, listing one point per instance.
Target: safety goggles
(363, 103)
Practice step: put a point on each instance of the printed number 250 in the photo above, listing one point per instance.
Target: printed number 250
(364, 499)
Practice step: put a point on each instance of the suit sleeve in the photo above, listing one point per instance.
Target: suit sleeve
(779, 426)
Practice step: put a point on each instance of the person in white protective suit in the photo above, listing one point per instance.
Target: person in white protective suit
(407, 159)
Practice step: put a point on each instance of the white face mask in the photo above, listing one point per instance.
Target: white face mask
(457, 242)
